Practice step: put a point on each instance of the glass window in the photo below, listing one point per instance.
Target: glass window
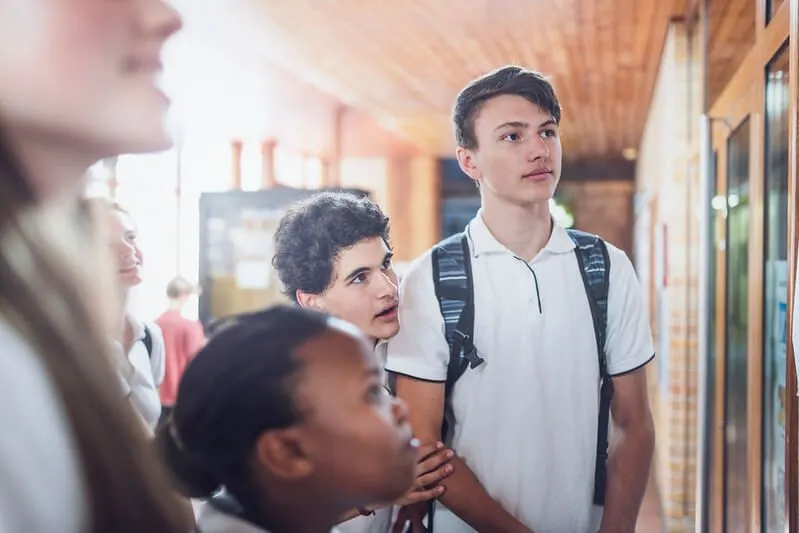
(775, 291)
(98, 189)
(771, 8)
(715, 210)
(251, 166)
(289, 167)
(100, 181)
(205, 167)
(313, 173)
(737, 331)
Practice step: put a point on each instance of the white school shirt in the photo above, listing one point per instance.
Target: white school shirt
(526, 420)
(147, 372)
(41, 484)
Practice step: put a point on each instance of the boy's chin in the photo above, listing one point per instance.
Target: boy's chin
(386, 331)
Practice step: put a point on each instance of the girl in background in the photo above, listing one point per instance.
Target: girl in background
(139, 345)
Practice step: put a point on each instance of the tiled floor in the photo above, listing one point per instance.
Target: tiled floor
(650, 519)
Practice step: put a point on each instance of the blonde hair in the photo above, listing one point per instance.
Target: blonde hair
(56, 292)
(180, 286)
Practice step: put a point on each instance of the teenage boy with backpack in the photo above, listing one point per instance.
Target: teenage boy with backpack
(520, 340)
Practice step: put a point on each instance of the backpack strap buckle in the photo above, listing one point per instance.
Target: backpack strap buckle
(473, 357)
(463, 345)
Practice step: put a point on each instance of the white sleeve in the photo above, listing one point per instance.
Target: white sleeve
(41, 489)
(158, 358)
(419, 350)
(629, 340)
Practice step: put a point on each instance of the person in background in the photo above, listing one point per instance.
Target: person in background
(141, 344)
(332, 254)
(77, 85)
(269, 416)
(183, 338)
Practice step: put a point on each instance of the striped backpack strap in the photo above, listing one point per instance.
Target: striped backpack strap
(452, 278)
(594, 262)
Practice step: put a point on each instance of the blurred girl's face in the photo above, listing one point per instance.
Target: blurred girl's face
(124, 246)
(78, 80)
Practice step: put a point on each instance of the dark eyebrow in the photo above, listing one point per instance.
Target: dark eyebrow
(358, 271)
(513, 124)
(361, 270)
(372, 371)
(524, 125)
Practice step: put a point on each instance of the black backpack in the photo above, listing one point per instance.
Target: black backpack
(147, 340)
(452, 277)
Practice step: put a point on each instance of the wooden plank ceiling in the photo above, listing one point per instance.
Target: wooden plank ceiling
(405, 61)
(731, 33)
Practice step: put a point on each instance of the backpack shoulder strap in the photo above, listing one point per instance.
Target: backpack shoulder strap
(452, 279)
(592, 256)
(454, 288)
(594, 262)
(147, 340)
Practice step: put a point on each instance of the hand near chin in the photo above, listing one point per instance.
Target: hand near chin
(432, 467)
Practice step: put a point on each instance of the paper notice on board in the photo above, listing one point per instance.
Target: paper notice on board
(253, 275)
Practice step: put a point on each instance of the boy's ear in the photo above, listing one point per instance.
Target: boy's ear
(310, 301)
(466, 162)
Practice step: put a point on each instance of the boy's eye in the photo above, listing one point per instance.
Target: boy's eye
(360, 278)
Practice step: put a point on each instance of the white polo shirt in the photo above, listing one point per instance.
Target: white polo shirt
(146, 372)
(526, 420)
(41, 473)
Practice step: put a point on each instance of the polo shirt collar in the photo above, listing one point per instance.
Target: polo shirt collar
(482, 241)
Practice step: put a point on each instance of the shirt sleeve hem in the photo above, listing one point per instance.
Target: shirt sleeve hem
(415, 370)
(633, 369)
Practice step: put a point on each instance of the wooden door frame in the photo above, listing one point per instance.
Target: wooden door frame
(744, 96)
(792, 407)
(722, 128)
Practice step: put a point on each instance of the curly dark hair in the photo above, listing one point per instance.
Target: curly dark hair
(513, 80)
(313, 232)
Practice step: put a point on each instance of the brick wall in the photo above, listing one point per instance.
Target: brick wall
(667, 244)
(604, 208)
